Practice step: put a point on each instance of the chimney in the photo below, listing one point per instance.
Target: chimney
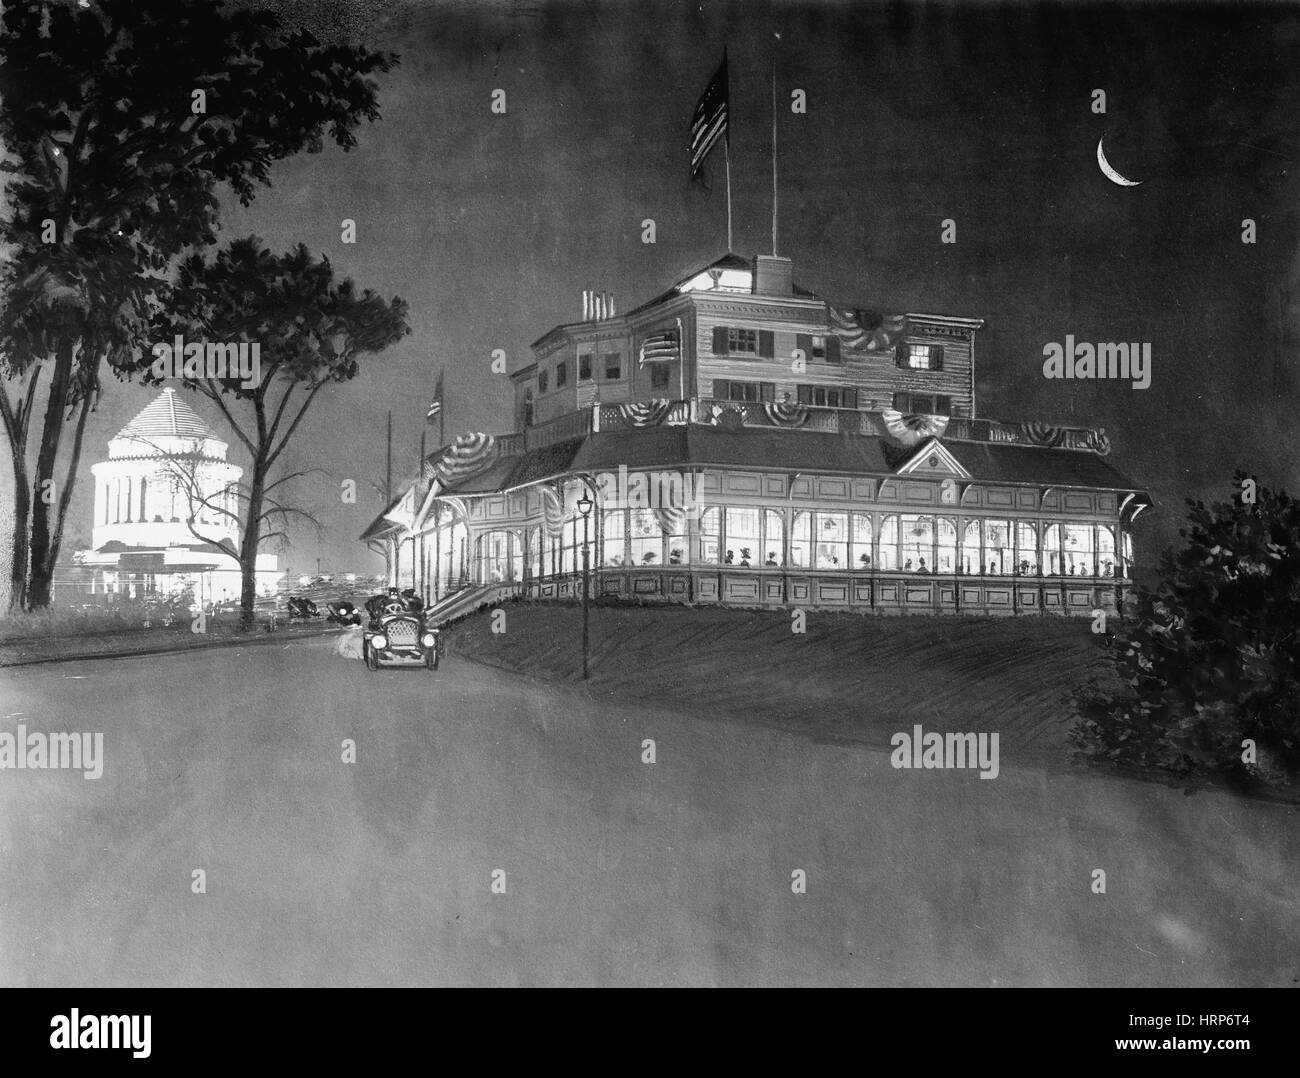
(597, 306)
(773, 276)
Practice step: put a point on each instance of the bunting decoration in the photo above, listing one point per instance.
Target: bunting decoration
(660, 348)
(552, 512)
(786, 414)
(1044, 434)
(645, 413)
(867, 330)
(913, 429)
(467, 456)
(672, 519)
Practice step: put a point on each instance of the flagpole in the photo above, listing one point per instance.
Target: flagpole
(773, 153)
(730, 248)
(442, 409)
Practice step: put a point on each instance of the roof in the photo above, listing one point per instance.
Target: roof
(168, 416)
(695, 445)
(1037, 466)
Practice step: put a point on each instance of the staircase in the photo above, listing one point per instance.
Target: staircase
(468, 599)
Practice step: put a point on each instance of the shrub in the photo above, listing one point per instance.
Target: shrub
(1213, 658)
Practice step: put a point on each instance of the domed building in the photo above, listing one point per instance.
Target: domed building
(164, 468)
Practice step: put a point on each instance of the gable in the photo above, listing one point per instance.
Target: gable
(933, 458)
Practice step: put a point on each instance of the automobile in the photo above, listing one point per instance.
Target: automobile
(398, 634)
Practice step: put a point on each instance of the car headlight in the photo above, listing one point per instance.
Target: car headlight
(428, 640)
(379, 641)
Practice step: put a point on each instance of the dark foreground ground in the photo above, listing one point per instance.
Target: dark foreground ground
(616, 871)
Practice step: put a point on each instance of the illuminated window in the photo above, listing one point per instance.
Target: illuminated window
(921, 357)
(887, 554)
(773, 538)
(742, 537)
(800, 540)
(860, 554)
(646, 537)
(612, 553)
(709, 538)
(832, 541)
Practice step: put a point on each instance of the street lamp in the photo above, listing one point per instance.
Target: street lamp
(584, 507)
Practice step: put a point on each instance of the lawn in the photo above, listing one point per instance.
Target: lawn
(846, 677)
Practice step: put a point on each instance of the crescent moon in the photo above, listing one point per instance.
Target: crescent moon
(1108, 171)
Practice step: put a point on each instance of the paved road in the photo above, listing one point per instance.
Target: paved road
(616, 871)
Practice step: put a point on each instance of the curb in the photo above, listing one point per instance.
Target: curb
(249, 641)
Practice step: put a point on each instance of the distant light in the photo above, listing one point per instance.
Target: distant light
(729, 280)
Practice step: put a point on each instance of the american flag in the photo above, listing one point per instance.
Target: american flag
(661, 348)
(710, 120)
(435, 406)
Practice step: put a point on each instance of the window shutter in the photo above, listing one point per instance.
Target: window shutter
(900, 402)
(804, 341)
(766, 343)
(719, 340)
(767, 391)
(851, 398)
(832, 349)
(900, 355)
(805, 394)
(943, 405)
(936, 357)
(719, 384)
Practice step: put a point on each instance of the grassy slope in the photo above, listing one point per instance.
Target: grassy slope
(847, 677)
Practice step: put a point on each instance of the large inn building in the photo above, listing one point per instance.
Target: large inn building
(740, 440)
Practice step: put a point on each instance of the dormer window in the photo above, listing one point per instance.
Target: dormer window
(543, 380)
(584, 367)
(561, 374)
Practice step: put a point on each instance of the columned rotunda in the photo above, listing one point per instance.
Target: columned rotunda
(164, 468)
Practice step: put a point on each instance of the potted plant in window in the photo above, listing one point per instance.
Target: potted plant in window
(744, 557)
(865, 560)
(675, 556)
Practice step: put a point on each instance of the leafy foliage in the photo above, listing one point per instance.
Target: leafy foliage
(1214, 657)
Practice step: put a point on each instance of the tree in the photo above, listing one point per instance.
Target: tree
(119, 119)
(309, 330)
(1214, 657)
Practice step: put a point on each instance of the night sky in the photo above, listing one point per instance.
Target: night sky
(491, 226)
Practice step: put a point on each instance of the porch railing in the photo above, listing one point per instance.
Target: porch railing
(712, 412)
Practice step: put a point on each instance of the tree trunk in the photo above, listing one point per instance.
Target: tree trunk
(41, 575)
(16, 421)
(22, 521)
(248, 547)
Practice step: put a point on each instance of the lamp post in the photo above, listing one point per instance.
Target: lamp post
(584, 507)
